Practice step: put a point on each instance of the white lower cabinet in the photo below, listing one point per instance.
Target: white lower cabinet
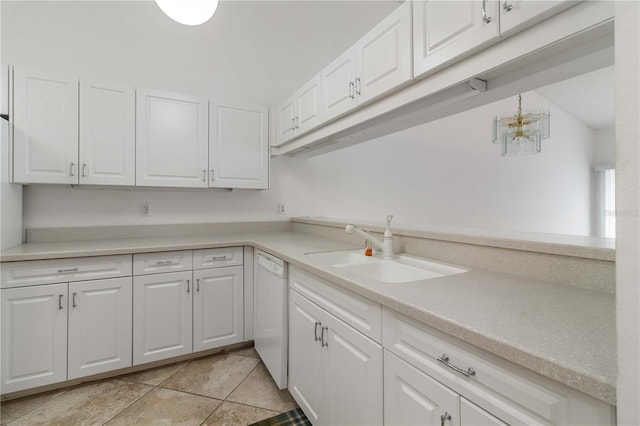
(217, 307)
(162, 316)
(335, 372)
(412, 397)
(99, 326)
(177, 313)
(34, 336)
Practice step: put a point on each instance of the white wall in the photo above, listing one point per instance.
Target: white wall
(604, 147)
(628, 211)
(448, 174)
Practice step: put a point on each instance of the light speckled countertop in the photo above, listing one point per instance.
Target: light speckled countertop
(561, 332)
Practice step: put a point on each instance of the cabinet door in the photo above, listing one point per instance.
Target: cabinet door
(305, 355)
(516, 15)
(338, 85)
(446, 31)
(412, 397)
(218, 308)
(172, 146)
(34, 336)
(162, 316)
(384, 55)
(45, 128)
(309, 105)
(471, 414)
(352, 376)
(286, 120)
(107, 134)
(239, 146)
(99, 326)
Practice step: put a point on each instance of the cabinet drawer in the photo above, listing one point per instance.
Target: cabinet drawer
(34, 272)
(360, 313)
(217, 257)
(156, 263)
(511, 393)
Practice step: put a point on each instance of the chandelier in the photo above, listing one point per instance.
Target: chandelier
(521, 134)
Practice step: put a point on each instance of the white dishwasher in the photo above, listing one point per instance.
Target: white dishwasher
(270, 315)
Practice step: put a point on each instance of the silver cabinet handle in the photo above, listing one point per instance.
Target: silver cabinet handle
(218, 258)
(212, 175)
(322, 342)
(63, 271)
(293, 123)
(467, 373)
(71, 167)
(164, 262)
(204, 175)
(84, 169)
(506, 6)
(315, 330)
(60, 301)
(75, 305)
(357, 86)
(485, 18)
(198, 284)
(443, 418)
(188, 284)
(297, 122)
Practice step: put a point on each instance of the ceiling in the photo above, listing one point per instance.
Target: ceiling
(588, 97)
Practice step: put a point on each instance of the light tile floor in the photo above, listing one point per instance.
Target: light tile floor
(232, 388)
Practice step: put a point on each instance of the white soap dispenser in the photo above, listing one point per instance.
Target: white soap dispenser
(388, 239)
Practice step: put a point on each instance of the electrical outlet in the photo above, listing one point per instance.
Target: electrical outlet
(281, 209)
(145, 209)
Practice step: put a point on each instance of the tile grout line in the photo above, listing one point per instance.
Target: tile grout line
(39, 405)
(133, 402)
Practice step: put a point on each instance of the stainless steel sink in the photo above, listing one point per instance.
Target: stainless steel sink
(399, 269)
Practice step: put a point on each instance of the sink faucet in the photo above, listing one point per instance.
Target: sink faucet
(386, 246)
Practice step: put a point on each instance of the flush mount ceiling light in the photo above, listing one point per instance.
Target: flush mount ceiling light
(521, 134)
(188, 12)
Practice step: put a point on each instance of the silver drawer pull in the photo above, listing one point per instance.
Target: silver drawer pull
(315, 330)
(218, 258)
(64, 271)
(164, 262)
(60, 301)
(75, 305)
(188, 284)
(467, 373)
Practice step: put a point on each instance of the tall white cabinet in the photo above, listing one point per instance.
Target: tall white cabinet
(238, 146)
(172, 147)
(107, 134)
(45, 127)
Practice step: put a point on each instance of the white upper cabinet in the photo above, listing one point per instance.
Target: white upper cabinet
(309, 105)
(171, 140)
(446, 31)
(379, 62)
(45, 128)
(107, 134)
(300, 112)
(384, 55)
(239, 146)
(286, 120)
(516, 15)
(338, 85)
